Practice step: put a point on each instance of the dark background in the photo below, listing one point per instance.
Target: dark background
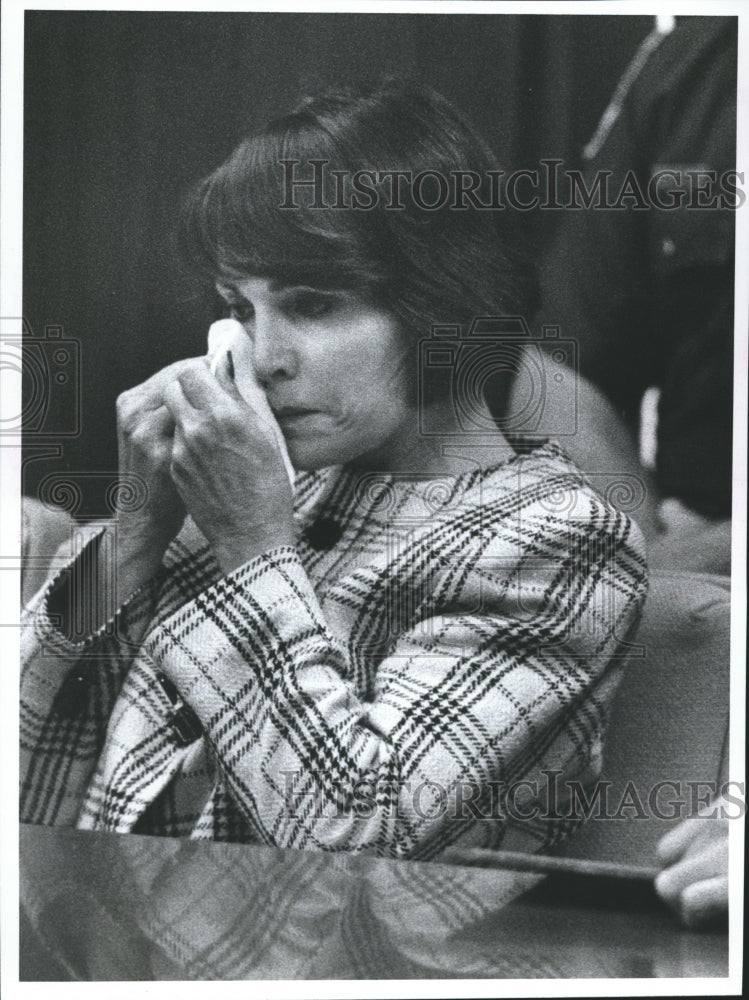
(124, 111)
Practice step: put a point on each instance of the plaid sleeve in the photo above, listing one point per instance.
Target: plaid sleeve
(70, 680)
(505, 674)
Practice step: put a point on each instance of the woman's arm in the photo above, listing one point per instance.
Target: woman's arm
(81, 632)
(602, 444)
(71, 675)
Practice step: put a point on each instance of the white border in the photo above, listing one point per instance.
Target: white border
(11, 266)
(737, 741)
(11, 177)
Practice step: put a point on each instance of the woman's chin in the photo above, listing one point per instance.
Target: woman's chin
(309, 456)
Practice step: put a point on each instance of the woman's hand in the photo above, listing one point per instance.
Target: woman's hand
(227, 467)
(145, 432)
(694, 880)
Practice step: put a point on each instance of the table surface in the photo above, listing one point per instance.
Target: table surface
(109, 907)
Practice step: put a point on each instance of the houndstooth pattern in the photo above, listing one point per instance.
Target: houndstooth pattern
(463, 635)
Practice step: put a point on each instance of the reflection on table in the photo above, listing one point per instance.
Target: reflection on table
(102, 906)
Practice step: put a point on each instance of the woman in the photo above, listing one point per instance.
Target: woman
(394, 653)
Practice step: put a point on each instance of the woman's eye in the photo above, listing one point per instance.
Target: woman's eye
(241, 311)
(311, 305)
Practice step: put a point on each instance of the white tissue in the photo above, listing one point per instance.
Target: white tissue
(229, 335)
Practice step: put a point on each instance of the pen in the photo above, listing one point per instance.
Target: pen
(480, 857)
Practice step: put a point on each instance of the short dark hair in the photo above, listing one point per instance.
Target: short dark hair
(426, 266)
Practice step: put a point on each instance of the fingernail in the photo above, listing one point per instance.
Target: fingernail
(230, 365)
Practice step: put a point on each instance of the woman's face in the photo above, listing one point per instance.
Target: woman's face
(334, 368)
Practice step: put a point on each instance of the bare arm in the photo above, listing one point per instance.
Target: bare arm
(603, 446)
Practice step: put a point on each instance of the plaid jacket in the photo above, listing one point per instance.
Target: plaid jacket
(412, 674)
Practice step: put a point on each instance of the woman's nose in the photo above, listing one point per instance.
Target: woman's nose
(273, 355)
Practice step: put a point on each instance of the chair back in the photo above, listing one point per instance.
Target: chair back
(669, 721)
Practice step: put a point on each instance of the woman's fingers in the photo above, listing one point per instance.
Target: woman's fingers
(203, 390)
(148, 395)
(175, 401)
(141, 410)
(201, 411)
(145, 435)
(156, 424)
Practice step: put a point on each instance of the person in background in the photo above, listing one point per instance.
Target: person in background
(694, 855)
(647, 290)
(646, 285)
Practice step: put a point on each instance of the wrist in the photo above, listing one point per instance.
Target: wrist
(137, 554)
(137, 538)
(231, 553)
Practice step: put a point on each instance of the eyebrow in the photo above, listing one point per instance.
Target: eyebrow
(279, 285)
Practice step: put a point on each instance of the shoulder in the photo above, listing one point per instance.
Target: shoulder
(549, 507)
(540, 479)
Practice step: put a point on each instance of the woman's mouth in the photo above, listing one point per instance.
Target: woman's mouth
(291, 418)
(288, 412)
